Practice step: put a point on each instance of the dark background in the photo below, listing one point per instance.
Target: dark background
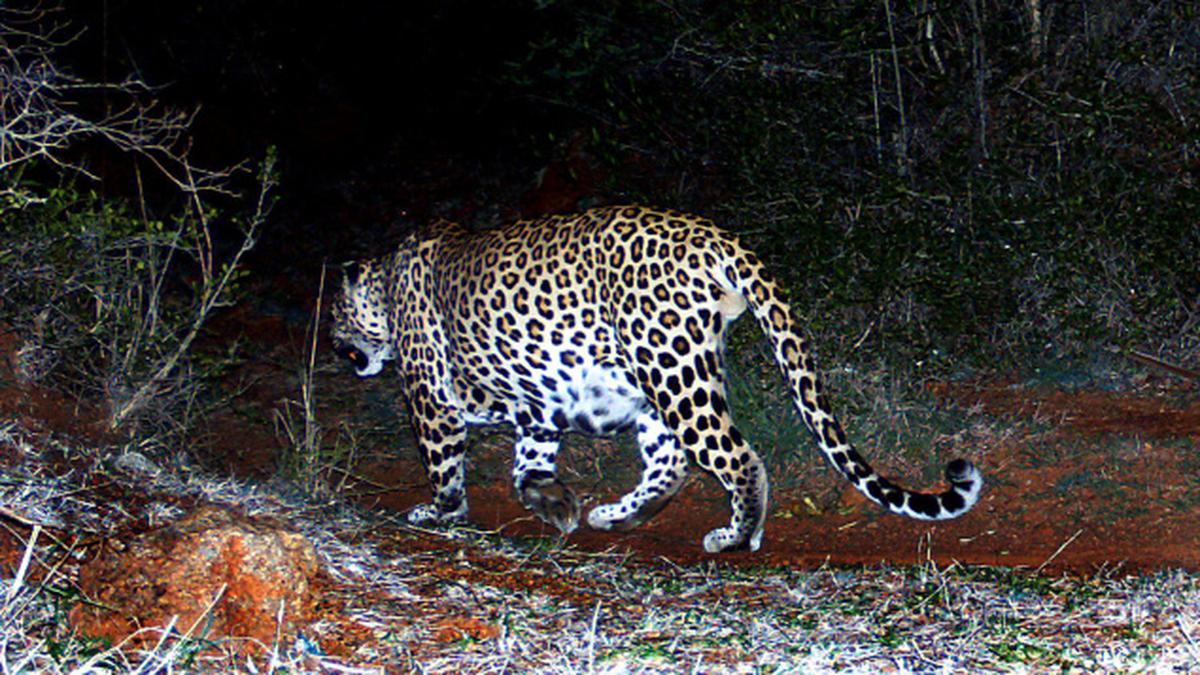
(947, 156)
(337, 90)
(385, 91)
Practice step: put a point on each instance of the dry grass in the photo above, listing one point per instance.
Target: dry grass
(410, 600)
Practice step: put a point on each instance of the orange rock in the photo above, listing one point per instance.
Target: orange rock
(220, 573)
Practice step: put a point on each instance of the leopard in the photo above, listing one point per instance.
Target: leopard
(606, 321)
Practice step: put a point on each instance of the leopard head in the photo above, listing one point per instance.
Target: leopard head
(361, 333)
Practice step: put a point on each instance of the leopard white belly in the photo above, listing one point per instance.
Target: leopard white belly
(597, 400)
(594, 400)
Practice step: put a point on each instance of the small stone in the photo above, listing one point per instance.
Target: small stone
(134, 462)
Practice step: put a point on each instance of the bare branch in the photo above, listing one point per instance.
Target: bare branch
(44, 111)
(212, 297)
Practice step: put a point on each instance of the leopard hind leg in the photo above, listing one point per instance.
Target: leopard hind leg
(663, 475)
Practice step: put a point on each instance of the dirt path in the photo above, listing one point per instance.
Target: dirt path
(1078, 480)
(1087, 481)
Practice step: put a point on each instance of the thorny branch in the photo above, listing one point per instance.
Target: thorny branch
(44, 110)
(45, 115)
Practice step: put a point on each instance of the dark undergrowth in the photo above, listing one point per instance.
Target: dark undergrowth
(956, 186)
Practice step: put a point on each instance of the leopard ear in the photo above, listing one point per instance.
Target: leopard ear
(350, 274)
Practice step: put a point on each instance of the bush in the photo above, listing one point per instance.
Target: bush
(117, 293)
(974, 179)
(121, 297)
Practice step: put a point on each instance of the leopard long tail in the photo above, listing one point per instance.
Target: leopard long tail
(750, 279)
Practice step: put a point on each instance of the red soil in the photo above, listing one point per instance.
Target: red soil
(1103, 481)
(1083, 480)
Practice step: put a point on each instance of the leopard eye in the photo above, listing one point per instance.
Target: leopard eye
(354, 356)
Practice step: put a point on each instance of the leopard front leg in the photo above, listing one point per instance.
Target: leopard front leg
(441, 440)
(535, 477)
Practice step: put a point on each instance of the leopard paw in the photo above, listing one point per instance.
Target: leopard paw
(555, 504)
(429, 515)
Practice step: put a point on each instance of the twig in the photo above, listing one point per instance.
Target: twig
(312, 430)
(211, 298)
(13, 515)
(978, 62)
(1059, 550)
(1192, 649)
(23, 569)
(1147, 360)
(875, 109)
(592, 638)
(466, 528)
(902, 135)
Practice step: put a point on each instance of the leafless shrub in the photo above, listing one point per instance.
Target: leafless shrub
(45, 112)
(306, 457)
(103, 279)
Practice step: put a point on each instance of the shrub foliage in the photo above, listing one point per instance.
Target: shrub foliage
(992, 179)
(113, 293)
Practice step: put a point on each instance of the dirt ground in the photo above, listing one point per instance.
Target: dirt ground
(1108, 482)
(1080, 480)
(1083, 482)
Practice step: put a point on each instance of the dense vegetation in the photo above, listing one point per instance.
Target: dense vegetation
(990, 180)
(944, 185)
